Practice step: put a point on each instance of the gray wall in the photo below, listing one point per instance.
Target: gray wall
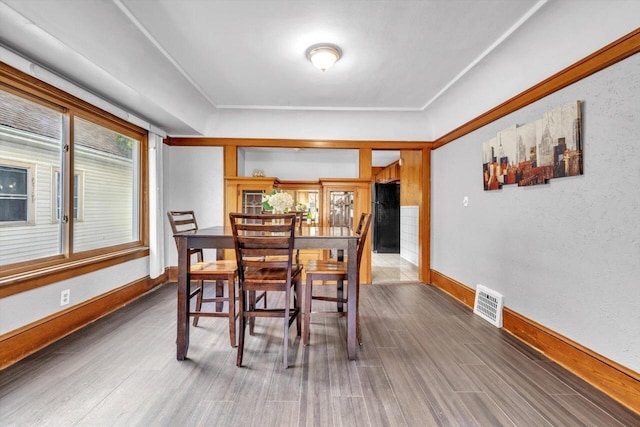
(565, 254)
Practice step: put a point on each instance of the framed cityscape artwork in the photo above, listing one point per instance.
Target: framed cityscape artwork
(534, 153)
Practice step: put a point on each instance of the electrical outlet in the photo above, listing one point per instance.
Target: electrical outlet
(65, 296)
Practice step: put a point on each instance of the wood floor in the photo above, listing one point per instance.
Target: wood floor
(426, 361)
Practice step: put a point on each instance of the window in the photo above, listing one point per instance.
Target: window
(111, 164)
(14, 193)
(30, 137)
(72, 184)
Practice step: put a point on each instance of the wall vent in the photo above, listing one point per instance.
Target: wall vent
(488, 305)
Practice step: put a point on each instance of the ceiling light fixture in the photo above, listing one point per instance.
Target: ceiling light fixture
(323, 55)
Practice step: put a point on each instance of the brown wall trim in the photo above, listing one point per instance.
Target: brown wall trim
(22, 342)
(454, 288)
(302, 143)
(617, 381)
(617, 51)
(24, 281)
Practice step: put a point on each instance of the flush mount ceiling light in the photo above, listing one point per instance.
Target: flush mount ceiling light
(323, 55)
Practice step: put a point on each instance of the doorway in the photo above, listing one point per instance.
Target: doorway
(392, 268)
(387, 264)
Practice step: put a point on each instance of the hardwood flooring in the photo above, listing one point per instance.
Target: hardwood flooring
(426, 361)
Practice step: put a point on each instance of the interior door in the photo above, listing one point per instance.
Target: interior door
(386, 218)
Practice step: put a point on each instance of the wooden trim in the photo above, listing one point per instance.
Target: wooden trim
(172, 273)
(617, 381)
(302, 143)
(24, 281)
(364, 163)
(230, 160)
(454, 288)
(424, 217)
(617, 51)
(28, 339)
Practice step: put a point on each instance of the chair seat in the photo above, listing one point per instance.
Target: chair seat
(270, 274)
(316, 266)
(223, 267)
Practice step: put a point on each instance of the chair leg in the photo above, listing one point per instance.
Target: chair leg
(287, 313)
(231, 283)
(297, 305)
(308, 293)
(358, 331)
(219, 294)
(340, 294)
(200, 284)
(241, 327)
(252, 306)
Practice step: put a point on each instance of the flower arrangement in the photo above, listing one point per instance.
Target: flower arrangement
(277, 201)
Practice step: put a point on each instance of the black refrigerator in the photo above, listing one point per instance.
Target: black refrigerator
(385, 235)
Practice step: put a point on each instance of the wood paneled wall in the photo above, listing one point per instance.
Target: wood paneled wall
(410, 177)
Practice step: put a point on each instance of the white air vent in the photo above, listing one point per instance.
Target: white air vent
(488, 305)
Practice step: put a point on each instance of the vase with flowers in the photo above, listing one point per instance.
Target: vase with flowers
(277, 201)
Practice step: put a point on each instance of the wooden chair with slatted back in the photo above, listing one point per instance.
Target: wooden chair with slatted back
(335, 271)
(201, 271)
(264, 255)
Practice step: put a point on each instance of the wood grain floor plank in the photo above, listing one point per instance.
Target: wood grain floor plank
(442, 358)
(484, 410)
(534, 386)
(507, 399)
(444, 404)
(350, 412)
(342, 372)
(381, 402)
(316, 396)
(408, 387)
(587, 412)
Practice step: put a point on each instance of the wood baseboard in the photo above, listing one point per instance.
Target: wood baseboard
(172, 274)
(20, 343)
(617, 381)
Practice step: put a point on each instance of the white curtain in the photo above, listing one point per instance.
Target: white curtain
(156, 207)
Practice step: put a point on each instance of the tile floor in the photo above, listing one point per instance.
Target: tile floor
(391, 268)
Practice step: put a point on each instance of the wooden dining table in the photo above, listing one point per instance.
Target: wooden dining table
(339, 238)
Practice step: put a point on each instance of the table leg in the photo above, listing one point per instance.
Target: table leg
(182, 340)
(352, 298)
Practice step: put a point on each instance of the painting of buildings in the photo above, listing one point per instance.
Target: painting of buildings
(535, 152)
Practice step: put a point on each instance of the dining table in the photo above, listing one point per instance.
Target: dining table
(342, 239)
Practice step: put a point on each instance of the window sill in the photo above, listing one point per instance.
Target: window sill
(38, 277)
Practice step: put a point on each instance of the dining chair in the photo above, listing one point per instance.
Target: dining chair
(264, 255)
(203, 271)
(334, 271)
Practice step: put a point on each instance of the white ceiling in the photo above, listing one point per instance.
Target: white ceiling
(177, 63)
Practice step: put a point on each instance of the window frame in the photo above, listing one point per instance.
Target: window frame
(30, 169)
(56, 198)
(20, 277)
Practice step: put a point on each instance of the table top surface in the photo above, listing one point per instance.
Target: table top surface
(306, 232)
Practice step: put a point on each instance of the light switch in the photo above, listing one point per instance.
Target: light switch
(465, 201)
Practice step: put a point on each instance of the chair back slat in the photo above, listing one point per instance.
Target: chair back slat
(265, 242)
(181, 222)
(362, 231)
